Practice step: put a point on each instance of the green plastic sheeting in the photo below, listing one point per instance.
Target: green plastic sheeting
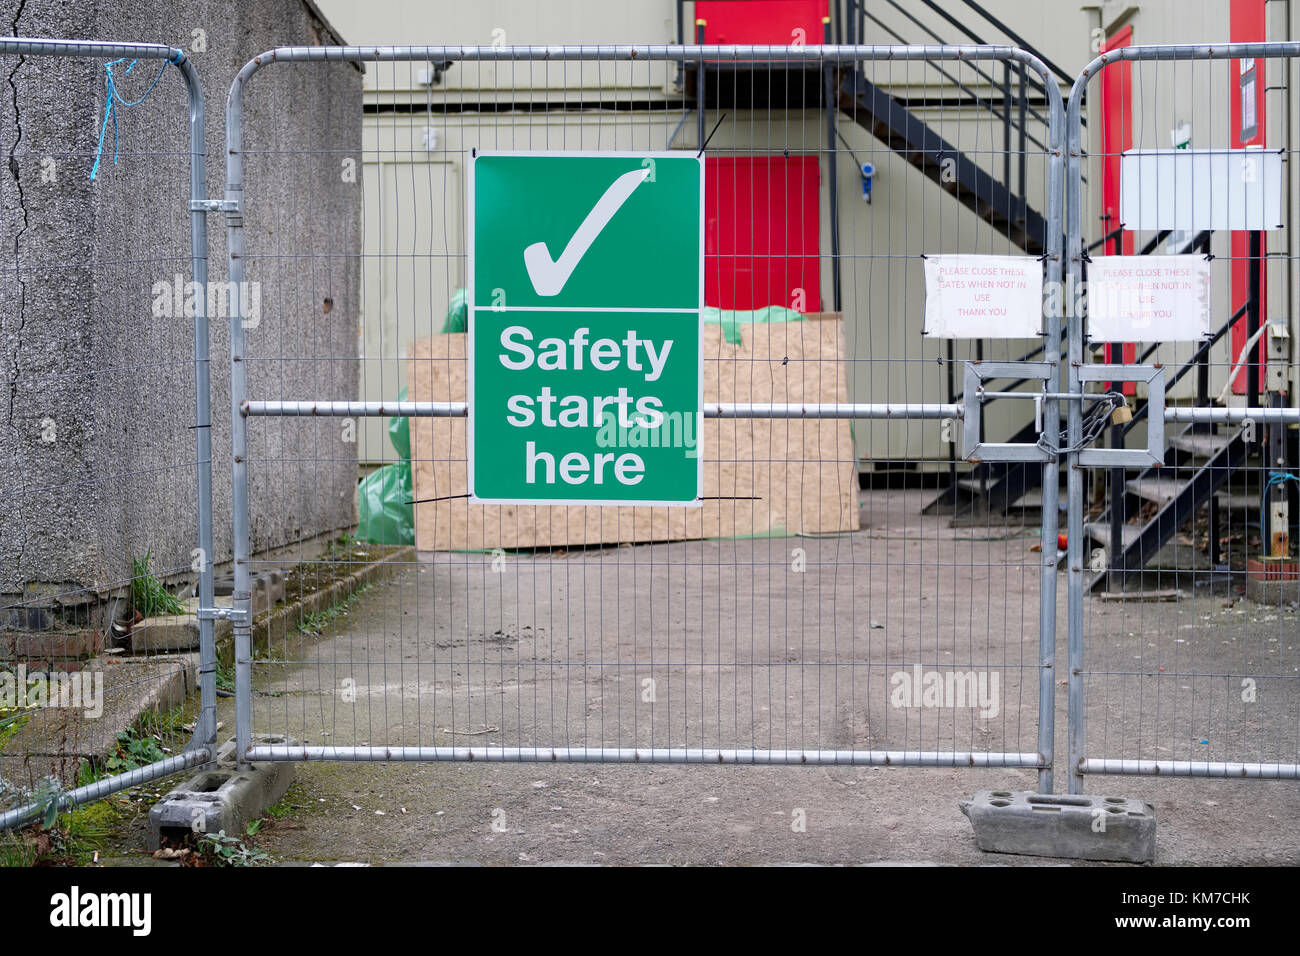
(457, 319)
(384, 511)
(731, 320)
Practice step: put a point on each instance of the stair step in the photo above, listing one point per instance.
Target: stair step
(1100, 531)
(1160, 490)
(1032, 495)
(1200, 444)
(1239, 500)
(1165, 489)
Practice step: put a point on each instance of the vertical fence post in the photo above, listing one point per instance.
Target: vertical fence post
(700, 83)
(241, 601)
(205, 732)
(952, 445)
(1253, 363)
(1023, 189)
(1056, 136)
(828, 72)
(1006, 138)
(1073, 473)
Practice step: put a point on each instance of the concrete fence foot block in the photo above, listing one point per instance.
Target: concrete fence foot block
(221, 797)
(1071, 826)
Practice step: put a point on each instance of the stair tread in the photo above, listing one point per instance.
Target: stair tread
(1238, 500)
(1031, 496)
(1164, 489)
(1160, 489)
(1201, 444)
(1100, 530)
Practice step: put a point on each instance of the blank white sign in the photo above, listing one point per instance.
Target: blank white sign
(1195, 189)
(1148, 298)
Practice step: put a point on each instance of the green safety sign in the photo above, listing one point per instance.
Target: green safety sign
(586, 288)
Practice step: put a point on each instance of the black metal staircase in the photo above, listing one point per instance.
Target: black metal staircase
(952, 170)
(1213, 459)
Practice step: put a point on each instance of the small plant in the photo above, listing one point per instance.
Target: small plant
(317, 621)
(133, 751)
(218, 849)
(149, 596)
(11, 721)
(225, 677)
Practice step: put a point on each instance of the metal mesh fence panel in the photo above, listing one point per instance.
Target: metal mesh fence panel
(849, 589)
(102, 547)
(1183, 579)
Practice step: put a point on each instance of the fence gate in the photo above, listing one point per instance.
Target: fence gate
(786, 615)
(1187, 511)
(105, 440)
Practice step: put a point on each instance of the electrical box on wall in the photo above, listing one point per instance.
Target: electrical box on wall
(1279, 356)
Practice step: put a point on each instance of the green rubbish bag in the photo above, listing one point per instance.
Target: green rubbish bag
(732, 319)
(384, 511)
(457, 318)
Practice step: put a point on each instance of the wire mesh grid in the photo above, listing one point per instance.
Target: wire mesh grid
(1190, 624)
(831, 600)
(98, 520)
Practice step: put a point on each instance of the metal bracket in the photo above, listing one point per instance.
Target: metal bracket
(975, 450)
(233, 615)
(1154, 453)
(213, 205)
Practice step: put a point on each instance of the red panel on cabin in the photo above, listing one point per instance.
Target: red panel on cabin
(761, 224)
(1246, 25)
(1116, 137)
(762, 21)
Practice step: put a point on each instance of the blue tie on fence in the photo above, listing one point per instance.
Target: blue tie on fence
(1274, 478)
(113, 100)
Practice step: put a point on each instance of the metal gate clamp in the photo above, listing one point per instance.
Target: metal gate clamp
(974, 448)
(234, 615)
(1153, 376)
(214, 205)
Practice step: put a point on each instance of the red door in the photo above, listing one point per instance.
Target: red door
(761, 232)
(1116, 137)
(1246, 77)
(778, 22)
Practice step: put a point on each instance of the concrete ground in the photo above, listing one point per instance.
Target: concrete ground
(780, 643)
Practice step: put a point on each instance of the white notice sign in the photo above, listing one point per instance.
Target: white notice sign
(983, 297)
(1148, 298)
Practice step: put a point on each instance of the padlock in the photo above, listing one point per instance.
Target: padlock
(1121, 415)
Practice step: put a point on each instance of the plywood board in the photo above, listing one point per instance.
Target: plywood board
(760, 475)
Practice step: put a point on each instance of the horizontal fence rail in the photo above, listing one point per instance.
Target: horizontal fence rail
(711, 410)
(672, 755)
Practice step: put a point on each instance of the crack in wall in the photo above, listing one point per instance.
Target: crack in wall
(16, 364)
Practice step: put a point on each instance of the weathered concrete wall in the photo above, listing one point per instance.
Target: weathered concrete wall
(96, 448)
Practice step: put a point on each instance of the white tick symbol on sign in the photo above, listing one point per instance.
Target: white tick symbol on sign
(549, 277)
